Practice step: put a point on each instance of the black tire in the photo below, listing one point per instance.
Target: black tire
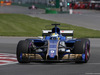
(29, 40)
(82, 47)
(22, 47)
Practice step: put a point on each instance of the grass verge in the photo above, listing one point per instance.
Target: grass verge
(23, 25)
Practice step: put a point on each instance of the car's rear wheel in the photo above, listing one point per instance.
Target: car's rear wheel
(82, 46)
(22, 47)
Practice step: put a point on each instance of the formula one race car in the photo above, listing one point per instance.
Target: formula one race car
(55, 45)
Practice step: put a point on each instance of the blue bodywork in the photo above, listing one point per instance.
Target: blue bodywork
(48, 47)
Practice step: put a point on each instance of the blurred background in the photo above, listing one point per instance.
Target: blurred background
(75, 4)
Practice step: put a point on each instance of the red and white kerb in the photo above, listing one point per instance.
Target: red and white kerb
(6, 59)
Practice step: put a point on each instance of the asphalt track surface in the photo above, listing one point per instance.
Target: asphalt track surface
(8, 45)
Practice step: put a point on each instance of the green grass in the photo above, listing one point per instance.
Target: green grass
(23, 25)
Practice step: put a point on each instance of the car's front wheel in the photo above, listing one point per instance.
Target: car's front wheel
(82, 46)
(22, 47)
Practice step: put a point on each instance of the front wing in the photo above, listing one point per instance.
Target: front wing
(66, 57)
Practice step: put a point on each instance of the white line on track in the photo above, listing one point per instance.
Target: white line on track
(94, 63)
(8, 63)
(92, 73)
(4, 61)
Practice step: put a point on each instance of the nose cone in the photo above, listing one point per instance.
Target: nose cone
(51, 58)
(52, 49)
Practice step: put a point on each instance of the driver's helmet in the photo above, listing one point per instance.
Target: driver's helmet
(55, 36)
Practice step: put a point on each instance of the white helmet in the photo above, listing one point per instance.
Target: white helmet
(54, 35)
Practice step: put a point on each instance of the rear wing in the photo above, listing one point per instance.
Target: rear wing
(67, 32)
(46, 32)
(62, 32)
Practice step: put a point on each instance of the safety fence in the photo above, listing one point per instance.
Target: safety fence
(38, 3)
(30, 1)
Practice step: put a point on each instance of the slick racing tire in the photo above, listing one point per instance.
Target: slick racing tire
(82, 46)
(28, 39)
(22, 47)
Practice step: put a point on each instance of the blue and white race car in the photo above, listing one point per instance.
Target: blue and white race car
(54, 45)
